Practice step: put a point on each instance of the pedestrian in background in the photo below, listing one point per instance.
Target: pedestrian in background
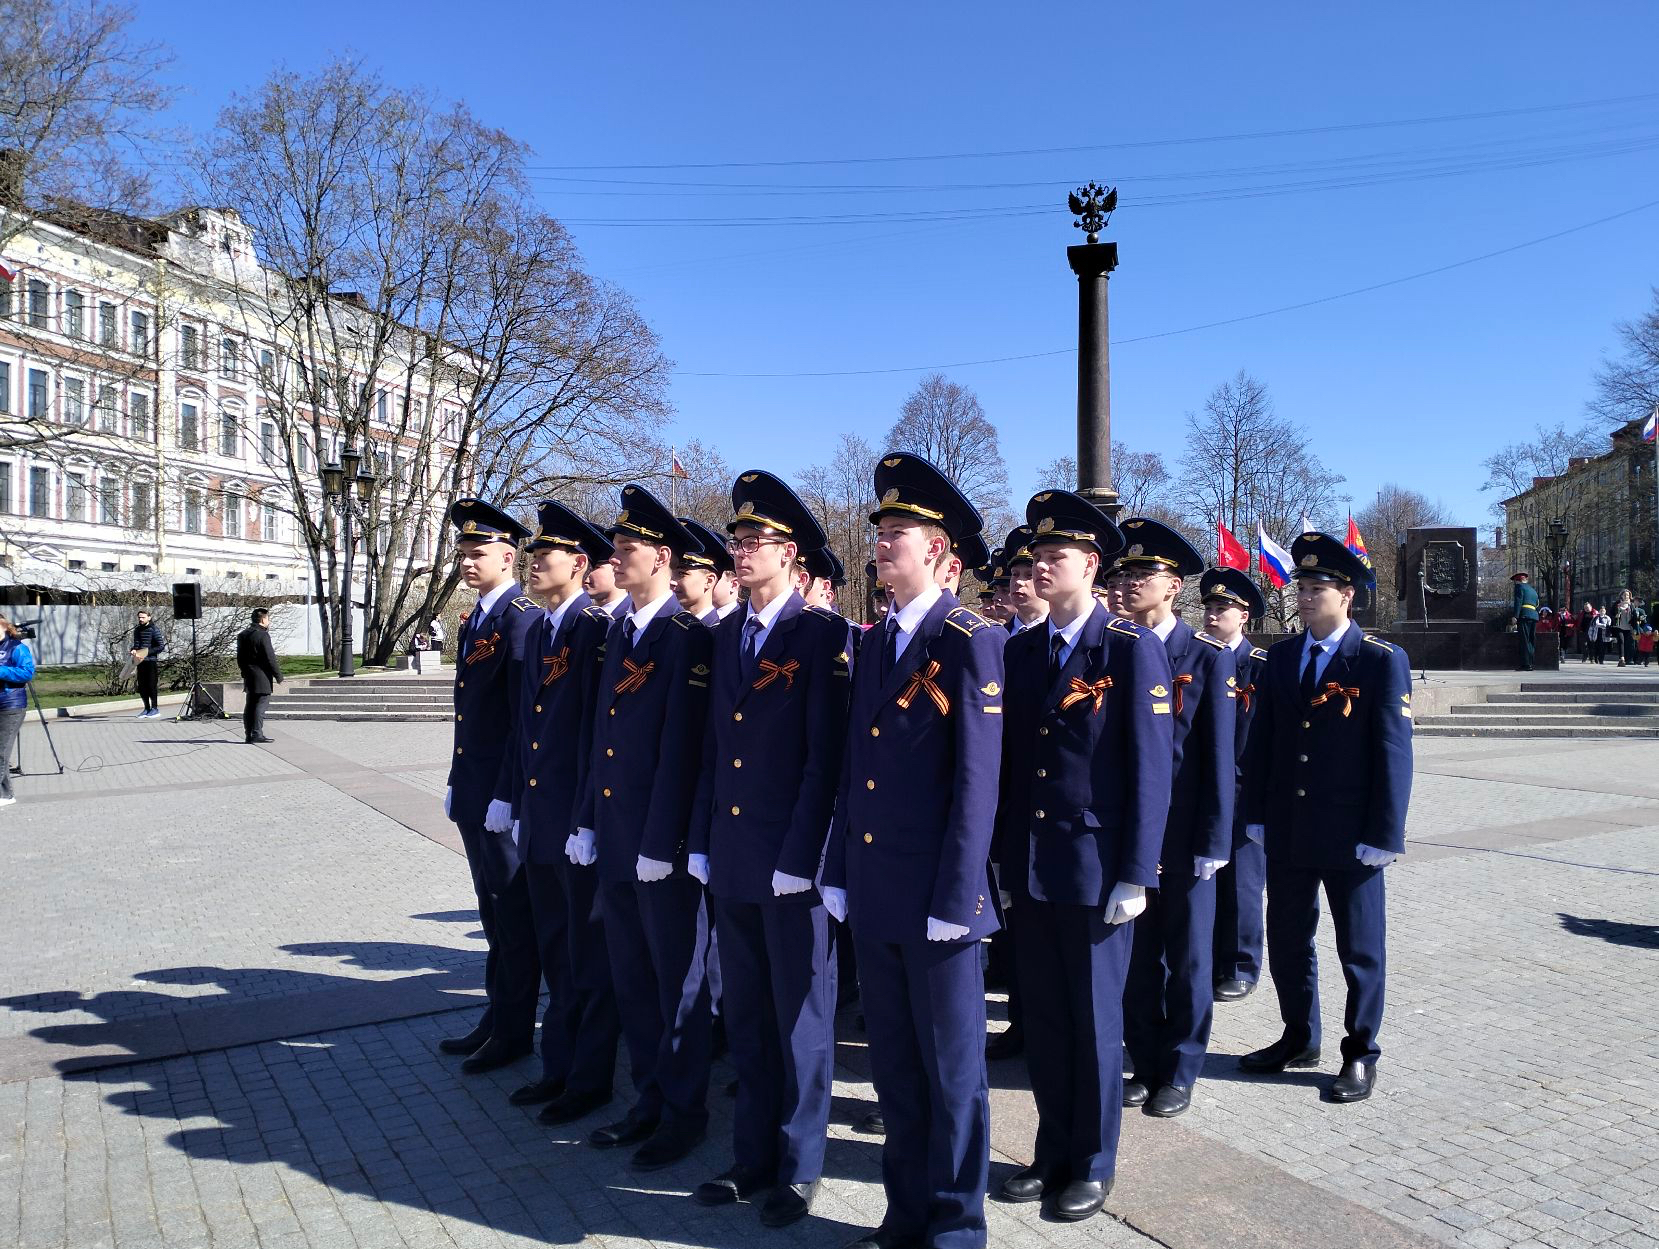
(1601, 627)
(1644, 645)
(17, 669)
(435, 632)
(1586, 621)
(257, 661)
(146, 649)
(1624, 628)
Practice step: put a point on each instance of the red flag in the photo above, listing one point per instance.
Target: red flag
(1353, 541)
(677, 469)
(1229, 551)
(7, 275)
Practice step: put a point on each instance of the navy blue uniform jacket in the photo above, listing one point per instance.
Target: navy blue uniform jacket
(1086, 763)
(1248, 661)
(647, 742)
(551, 749)
(488, 681)
(772, 752)
(1324, 779)
(1202, 691)
(918, 793)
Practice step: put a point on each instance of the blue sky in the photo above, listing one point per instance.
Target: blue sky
(1412, 384)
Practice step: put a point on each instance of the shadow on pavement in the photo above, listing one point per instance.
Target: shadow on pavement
(1613, 931)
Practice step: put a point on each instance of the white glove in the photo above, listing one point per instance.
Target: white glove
(579, 848)
(1125, 902)
(449, 797)
(697, 865)
(835, 902)
(515, 832)
(651, 869)
(1205, 868)
(783, 884)
(499, 817)
(939, 930)
(1256, 833)
(1373, 857)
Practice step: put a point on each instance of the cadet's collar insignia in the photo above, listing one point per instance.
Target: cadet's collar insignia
(1134, 551)
(892, 461)
(751, 478)
(991, 690)
(1158, 691)
(1405, 698)
(1233, 681)
(701, 670)
(1309, 560)
(1045, 525)
(843, 658)
(892, 496)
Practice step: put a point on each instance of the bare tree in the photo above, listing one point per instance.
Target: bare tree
(1138, 476)
(945, 423)
(1627, 387)
(1383, 524)
(840, 495)
(1511, 470)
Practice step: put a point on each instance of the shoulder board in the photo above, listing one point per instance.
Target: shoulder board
(685, 619)
(1126, 627)
(1209, 641)
(825, 612)
(524, 602)
(1387, 646)
(966, 621)
(595, 612)
(1257, 652)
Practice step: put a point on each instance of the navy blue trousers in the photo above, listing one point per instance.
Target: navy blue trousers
(1169, 996)
(1072, 965)
(580, 1026)
(924, 1013)
(1357, 903)
(780, 1024)
(1239, 924)
(512, 970)
(657, 934)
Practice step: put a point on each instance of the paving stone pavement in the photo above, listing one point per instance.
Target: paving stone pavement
(191, 876)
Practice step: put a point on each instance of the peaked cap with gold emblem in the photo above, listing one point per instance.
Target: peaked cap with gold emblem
(1230, 585)
(907, 485)
(1152, 544)
(767, 502)
(644, 516)
(972, 551)
(1062, 516)
(478, 521)
(1320, 557)
(710, 551)
(824, 564)
(559, 528)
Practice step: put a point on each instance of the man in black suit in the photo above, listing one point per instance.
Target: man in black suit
(256, 658)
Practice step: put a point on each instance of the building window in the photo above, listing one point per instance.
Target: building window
(40, 492)
(108, 334)
(139, 405)
(233, 514)
(108, 417)
(452, 424)
(38, 303)
(5, 488)
(190, 347)
(380, 406)
(267, 441)
(267, 365)
(75, 565)
(40, 406)
(74, 497)
(269, 529)
(140, 322)
(74, 314)
(109, 565)
(228, 441)
(5, 386)
(189, 428)
(192, 509)
(141, 568)
(109, 502)
(143, 508)
(74, 401)
(227, 356)
(302, 453)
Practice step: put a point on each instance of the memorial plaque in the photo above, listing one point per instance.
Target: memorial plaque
(1447, 567)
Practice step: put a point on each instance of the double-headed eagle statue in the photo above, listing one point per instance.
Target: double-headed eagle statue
(1092, 205)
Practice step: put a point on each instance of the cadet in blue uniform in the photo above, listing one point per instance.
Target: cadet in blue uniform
(1168, 1001)
(771, 763)
(1231, 601)
(1024, 602)
(634, 813)
(562, 655)
(699, 569)
(1524, 608)
(1327, 780)
(1086, 767)
(488, 678)
(908, 858)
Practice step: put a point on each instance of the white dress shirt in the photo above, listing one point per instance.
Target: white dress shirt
(909, 618)
(1326, 647)
(728, 609)
(556, 614)
(1069, 633)
(1165, 627)
(486, 604)
(645, 615)
(767, 616)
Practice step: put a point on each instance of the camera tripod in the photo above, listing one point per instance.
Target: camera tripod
(17, 769)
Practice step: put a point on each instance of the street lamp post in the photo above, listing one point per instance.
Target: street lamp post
(347, 487)
(1555, 542)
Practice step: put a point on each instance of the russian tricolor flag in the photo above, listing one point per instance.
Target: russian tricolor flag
(1274, 559)
(1651, 429)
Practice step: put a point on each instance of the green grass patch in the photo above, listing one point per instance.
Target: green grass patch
(71, 685)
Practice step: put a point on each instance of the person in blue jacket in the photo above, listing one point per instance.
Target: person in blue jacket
(771, 762)
(908, 860)
(1168, 1001)
(17, 669)
(1086, 766)
(632, 819)
(1327, 781)
(488, 681)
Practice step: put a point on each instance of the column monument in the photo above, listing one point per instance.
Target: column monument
(1093, 262)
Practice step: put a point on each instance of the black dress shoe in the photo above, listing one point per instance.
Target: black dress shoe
(882, 1238)
(628, 1131)
(534, 1094)
(1026, 1185)
(464, 1044)
(786, 1204)
(571, 1105)
(668, 1144)
(261, 738)
(1081, 1199)
(1169, 1101)
(1008, 1043)
(738, 1184)
(1281, 1054)
(1234, 990)
(1353, 1083)
(1135, 1093)
(493, 1054)
(872, 1123)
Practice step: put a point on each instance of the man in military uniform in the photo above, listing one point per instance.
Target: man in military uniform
(632, 817)
(908, 858)
(1029, 608)
(600, 583)
(1327, 780)
(698, 570)
(1524, 607)
(771, 763)
(488, 682)
(1168, 1002)
(563, 653)
(1231, 601)
(1086, 766)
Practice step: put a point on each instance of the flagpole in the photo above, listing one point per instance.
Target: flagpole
(673, 480)
(1654, 421)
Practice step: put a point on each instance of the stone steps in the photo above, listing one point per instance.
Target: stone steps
(1626, 706)
(1558, 710)
(356, 711)
(368, 698)
(1449, 726)
(1620, 697)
